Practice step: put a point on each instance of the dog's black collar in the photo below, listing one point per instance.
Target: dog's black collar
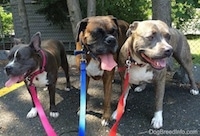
(135, 62)
(87, 50)
(132, 61)
(128, 63)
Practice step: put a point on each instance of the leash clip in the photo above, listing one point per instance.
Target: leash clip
(82, 53)
(128, 63)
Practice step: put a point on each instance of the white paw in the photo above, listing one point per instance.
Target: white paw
(54, 114)
(157, 121)
(45, 89)
(138, 89)
(32, 113)
(67, 89)
(104, 122)
(194, 92)
(114, 115)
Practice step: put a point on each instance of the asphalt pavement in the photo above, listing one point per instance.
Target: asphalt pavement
(181, 110)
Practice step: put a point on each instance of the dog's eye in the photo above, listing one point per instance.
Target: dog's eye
(167, 36)
(112, 31)
(150, 38)
(18, 56)
(98, 32)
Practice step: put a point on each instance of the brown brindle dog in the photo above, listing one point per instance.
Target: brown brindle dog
(101, 37)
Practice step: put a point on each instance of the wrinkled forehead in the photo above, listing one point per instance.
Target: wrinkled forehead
(149, 27)
(103, 23)
(146, 28)
(162, 26)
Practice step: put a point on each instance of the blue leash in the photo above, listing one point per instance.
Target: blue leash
(82, 94)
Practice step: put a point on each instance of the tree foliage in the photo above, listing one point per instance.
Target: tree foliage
(183, 11)
(128, 10)
(6, 21)
(55, 11)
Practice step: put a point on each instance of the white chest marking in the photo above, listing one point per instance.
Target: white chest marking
(140, 74)
(93, 68)
(41, 80)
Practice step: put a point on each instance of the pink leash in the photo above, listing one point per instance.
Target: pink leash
(47, 126)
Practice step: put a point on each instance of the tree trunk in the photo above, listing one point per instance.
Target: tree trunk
(24, 21)
(91, 8)
(74, 13)
(161, 10)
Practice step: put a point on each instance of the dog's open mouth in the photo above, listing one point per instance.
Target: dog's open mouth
(155, 63)
(14, 79)
(107, 62)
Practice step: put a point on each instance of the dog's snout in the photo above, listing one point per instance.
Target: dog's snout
(110, 40)
(168, 52)
(100, 50)
(8, 69)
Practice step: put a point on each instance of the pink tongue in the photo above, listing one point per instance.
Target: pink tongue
(107, 62)
(13, 80)
(162, 62)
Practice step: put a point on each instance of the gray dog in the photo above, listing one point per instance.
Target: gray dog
(148, 46)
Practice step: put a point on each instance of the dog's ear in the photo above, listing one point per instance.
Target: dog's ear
(114, 19)
(131, 28)
(81, 26)
(36, 41)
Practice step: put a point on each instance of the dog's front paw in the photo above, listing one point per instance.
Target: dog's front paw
(104, 122)
(54, 114)
(67, 88)
(32, 113)
(157, 121)
(138, 89)
(194, 92)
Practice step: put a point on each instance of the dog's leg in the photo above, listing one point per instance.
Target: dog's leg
(53, 110)
(157, 120)
(65, 67)
(185, 60)
(107, 83)
(33, 112)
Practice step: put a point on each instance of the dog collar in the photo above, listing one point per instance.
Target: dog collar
(129, 62)
(42, 68)
(87, 51)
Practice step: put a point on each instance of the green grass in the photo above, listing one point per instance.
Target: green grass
(195, 49)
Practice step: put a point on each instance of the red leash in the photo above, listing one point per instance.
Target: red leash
(120, 106)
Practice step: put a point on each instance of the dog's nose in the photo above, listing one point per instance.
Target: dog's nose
(8, 69)
(168, 52)
(110, 40)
